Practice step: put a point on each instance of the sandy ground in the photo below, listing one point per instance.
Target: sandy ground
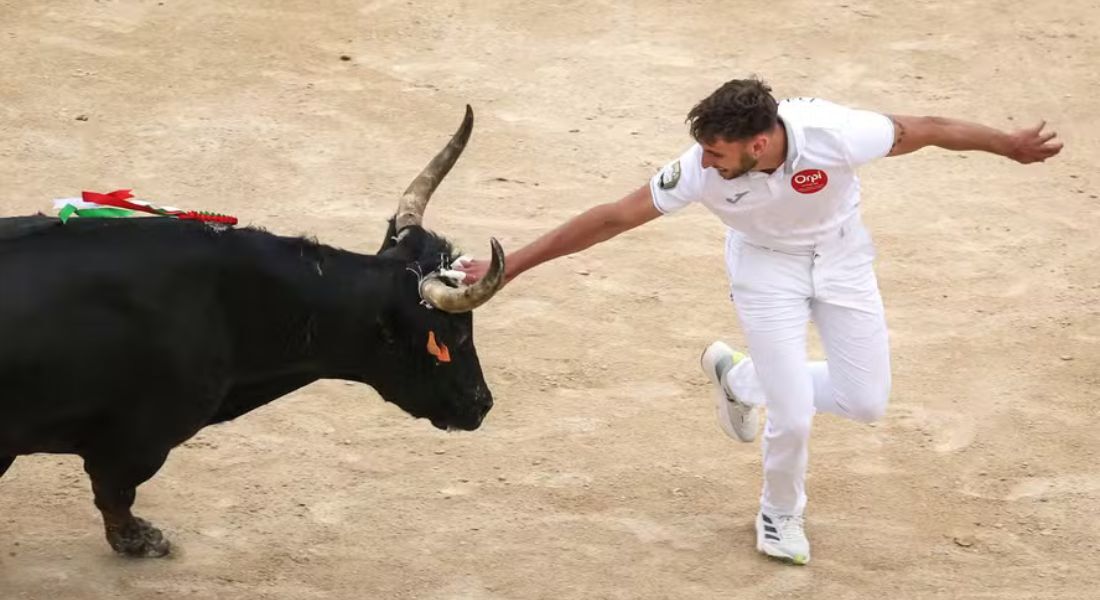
(601, 473)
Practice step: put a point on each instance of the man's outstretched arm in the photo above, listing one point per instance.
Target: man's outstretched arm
(1023, 146)
(595, 225)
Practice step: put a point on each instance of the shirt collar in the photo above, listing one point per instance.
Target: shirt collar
(795, 138)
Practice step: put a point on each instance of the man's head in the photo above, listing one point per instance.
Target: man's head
(733, 126)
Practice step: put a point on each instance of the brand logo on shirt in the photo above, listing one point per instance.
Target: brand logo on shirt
(670, 176)
(809, 181)
(737, 197)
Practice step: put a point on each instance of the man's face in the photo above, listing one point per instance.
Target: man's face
(733, 159)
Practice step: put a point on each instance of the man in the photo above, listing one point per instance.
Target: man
(782, 177)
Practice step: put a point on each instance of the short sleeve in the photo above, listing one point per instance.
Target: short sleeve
(867, 135)
(679, 183)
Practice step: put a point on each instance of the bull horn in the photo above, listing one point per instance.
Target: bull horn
(466, 298)
(410, 209)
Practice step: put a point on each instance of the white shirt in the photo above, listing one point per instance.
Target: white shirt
(813, 193)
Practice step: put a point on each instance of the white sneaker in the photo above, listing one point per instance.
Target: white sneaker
(739, 421)
(782, 538)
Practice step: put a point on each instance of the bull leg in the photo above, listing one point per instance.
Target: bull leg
(5, 462)
(114, 481)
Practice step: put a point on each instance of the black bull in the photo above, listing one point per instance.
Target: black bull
(122, 338)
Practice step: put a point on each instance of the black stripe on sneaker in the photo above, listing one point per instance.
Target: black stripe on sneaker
(770, 529)
(769, 536)
(766, 518)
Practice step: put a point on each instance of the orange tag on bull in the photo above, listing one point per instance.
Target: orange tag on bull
(439, 351)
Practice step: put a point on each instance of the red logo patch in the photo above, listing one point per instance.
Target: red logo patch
(809, 181)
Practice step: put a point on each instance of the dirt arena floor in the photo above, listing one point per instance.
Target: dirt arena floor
(601, 472)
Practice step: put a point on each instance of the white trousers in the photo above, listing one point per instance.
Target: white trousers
(776, 292)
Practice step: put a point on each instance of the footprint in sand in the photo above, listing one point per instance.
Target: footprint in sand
(948, 431)
(1045, 487)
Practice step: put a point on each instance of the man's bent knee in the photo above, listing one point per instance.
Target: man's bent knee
(868, 405)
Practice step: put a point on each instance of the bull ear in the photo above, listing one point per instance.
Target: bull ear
(408, 248)
(391, 237)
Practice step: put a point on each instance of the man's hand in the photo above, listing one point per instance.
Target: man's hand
(473, 268)
(1030, 145)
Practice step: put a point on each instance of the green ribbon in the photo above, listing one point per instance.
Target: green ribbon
(93, 213)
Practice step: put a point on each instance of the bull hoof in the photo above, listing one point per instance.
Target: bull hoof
(138, 539)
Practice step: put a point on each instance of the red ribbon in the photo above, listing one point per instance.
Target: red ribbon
(116, 198)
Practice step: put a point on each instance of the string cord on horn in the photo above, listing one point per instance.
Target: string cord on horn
(442, 273)
(418, 273)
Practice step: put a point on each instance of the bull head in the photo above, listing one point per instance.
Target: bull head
(410, 213)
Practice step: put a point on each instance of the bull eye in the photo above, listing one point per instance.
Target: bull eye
(439, 351)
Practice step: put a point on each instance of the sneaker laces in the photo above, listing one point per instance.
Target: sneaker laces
(790, 527)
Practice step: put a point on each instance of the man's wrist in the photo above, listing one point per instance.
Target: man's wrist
(1001, 144)
(514, 264)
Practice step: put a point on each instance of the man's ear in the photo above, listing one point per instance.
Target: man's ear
(760, 145)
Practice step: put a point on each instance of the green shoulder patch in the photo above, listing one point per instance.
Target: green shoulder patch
(670, 176)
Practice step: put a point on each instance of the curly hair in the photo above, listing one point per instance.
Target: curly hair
(738, 110)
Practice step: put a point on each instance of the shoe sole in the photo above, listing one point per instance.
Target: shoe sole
(721, 402)
(796, 559)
